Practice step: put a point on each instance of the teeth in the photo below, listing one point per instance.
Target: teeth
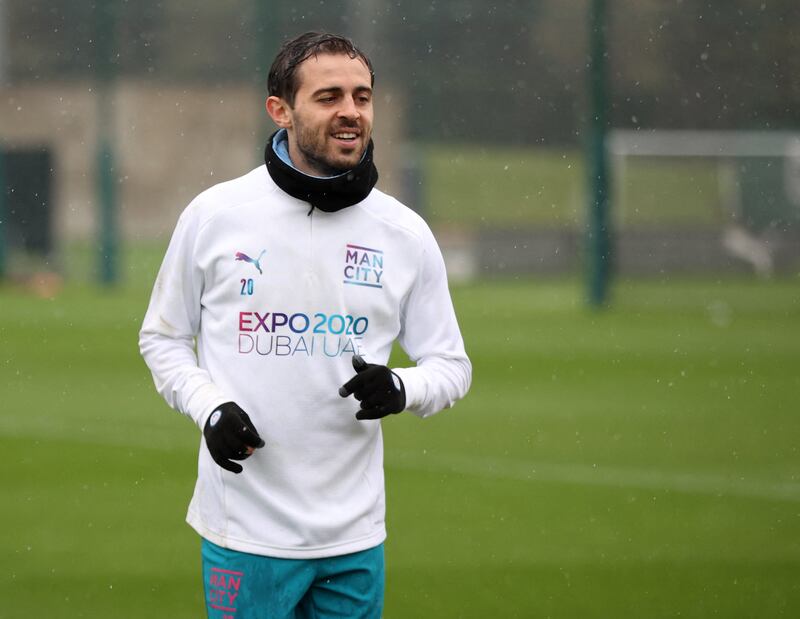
(345, 136)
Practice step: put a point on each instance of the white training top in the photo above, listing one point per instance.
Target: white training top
(277, 301)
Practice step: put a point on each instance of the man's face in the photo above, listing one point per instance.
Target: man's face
(331, 122)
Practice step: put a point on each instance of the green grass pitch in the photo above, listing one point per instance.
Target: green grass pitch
(546, 188)
(638, 462)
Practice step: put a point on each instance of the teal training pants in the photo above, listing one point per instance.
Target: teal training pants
(239, 585)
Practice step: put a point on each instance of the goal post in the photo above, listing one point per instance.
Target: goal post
(740, 190)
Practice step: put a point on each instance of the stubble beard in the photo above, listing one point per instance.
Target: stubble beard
(312, 147)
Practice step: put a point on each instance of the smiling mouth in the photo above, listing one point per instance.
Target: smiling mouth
(348, 137)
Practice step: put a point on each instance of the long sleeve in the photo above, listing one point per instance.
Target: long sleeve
(167, 337)
(431, 338)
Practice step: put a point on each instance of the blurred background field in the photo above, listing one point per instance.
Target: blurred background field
(637, 462)
(636, 458)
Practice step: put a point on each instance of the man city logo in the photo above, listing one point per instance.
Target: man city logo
(363, 266)
(245, 258)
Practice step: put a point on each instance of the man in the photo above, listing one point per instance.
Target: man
(293, 282)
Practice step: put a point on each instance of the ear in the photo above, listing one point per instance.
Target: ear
(280, 112)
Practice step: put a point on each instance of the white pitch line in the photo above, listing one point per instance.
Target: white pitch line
(597, 475)
(707, 484)
(93, 433)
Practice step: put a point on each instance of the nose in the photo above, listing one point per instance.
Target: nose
(348, 109)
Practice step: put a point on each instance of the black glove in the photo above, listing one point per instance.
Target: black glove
(229, 432)
(380, 391)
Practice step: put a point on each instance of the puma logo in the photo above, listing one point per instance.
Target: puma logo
(256, 263)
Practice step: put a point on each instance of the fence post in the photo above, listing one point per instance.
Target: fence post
(3, 214)
(105, 69)
(599, 235)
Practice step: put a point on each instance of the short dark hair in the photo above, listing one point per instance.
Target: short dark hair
(282, 81)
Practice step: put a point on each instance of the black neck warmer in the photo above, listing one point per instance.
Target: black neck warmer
(326, 194)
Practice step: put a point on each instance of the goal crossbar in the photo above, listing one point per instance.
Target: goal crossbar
(690, 143)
